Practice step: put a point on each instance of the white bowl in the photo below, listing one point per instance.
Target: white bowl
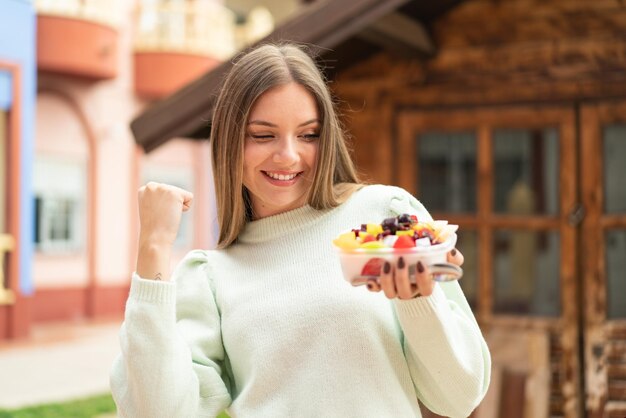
(363, 264)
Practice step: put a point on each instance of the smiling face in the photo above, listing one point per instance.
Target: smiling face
(280, 149)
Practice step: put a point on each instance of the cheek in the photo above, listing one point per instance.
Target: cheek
(248, 165)
(251, 157)
(313, 155)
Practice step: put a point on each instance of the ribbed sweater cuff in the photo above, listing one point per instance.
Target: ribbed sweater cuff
(155, 291)
(423, 305)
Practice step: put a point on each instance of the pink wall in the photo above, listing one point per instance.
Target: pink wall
(87, 120)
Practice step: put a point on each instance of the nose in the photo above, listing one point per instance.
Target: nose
(287, 151)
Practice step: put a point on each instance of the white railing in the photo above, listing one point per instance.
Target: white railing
(106, 12)
(203, 27)
(259, 23)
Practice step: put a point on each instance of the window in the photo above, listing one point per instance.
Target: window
(59, 222)
(447, 178)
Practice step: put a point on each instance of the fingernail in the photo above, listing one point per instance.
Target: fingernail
(401, 262)
(453, 252)
(420, 267)
(387, 267)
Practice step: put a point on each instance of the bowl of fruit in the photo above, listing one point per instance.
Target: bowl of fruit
(363, 251)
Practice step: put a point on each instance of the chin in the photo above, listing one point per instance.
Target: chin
(286, 203)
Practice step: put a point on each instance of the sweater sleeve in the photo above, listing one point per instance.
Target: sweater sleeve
(446, 353)
(171, 361)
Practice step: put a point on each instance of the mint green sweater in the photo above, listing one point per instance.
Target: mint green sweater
(269, 328)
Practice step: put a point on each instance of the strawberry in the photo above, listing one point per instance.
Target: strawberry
(368, 238)
(373, 267)
(404, 241)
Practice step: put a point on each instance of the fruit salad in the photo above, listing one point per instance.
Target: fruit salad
(401, 232)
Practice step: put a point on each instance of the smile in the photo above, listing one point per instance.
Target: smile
(281, 177)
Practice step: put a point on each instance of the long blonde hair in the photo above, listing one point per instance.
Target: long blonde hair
(254, 73)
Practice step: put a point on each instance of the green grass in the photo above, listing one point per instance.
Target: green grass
(81, 408)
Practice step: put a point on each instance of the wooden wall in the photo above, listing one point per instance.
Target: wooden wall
(499, 54)
(489, 52)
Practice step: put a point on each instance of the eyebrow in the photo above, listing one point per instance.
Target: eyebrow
(266, 123)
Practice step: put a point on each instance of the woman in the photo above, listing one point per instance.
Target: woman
(265, 326)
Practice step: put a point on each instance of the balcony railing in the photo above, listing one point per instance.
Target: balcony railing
(202, 27)
(193, 27)
(105, 12)
(78, 37)
(177, 41)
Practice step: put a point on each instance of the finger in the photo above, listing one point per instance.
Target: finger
(455, 257)
(373, 286)
(415, 291)
(386, 281)
(187, 199)
(401, 278)
(425, 285)
(184, 195)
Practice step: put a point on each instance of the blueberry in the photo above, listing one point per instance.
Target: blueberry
(390, 224)
(405, 218)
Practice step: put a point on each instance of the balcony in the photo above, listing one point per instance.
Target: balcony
(77, 37)
(178, 41)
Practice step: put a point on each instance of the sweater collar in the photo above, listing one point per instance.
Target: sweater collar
(280, 224)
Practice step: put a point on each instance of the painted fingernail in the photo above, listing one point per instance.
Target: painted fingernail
(453, 252)
(420, 267)
(387, 267)
(401, 262)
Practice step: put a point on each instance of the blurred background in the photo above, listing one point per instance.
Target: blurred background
(507, 117)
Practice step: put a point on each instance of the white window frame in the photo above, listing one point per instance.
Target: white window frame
(57, 180)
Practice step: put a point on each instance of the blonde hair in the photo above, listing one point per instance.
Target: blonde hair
(254, 73)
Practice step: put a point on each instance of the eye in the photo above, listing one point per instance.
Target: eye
(261, 137)
(310, 137)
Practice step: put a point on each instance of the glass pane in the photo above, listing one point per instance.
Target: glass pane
(526, 272)
(526, 171)
(447, 171)
(614, 168)
(616, 278)
(468, 244)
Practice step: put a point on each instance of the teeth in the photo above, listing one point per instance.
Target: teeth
(281, 176)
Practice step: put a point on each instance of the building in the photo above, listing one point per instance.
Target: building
(73, 73)
(17, 115)
(509, 119)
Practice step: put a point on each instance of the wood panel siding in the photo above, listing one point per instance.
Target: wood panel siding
(506, 22)
(605, 342)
